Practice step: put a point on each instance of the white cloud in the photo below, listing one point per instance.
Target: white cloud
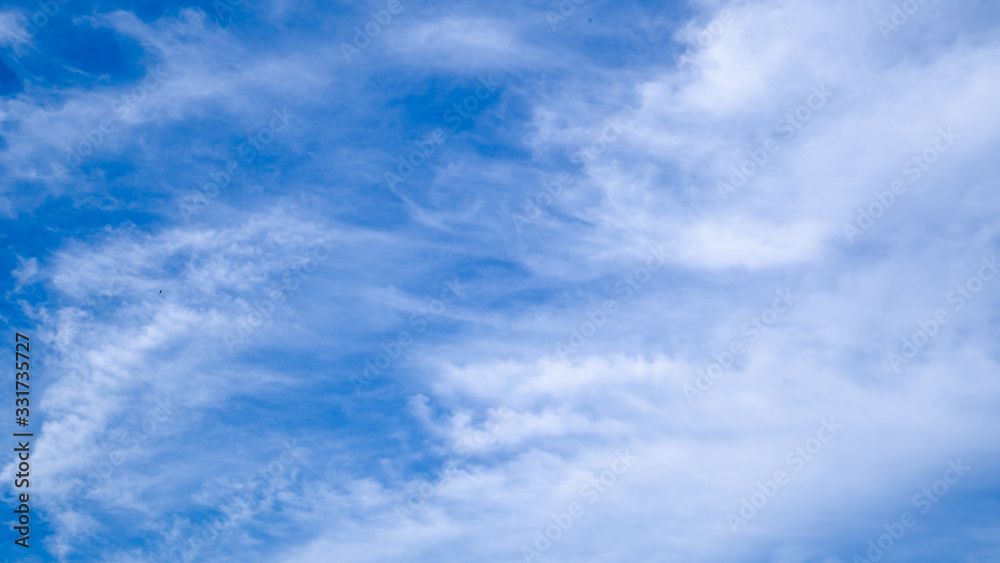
(12, 30)
(683, 131)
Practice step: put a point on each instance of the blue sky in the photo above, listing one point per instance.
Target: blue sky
(603, 281)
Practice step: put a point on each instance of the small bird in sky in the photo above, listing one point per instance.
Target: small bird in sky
(161, 291)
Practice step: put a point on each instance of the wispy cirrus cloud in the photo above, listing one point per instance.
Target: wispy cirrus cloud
(841, 113)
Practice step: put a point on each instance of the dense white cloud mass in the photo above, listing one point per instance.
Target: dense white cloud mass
(542, 282)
